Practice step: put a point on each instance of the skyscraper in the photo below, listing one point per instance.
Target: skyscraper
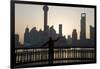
(74, 38)
(52, 32)
(17, 44)
(60, 30)
(26, 38)
(92, 31)
(83, 27)
(69, 41)
(92, 35)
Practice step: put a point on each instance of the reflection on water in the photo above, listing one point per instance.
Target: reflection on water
(61, 55)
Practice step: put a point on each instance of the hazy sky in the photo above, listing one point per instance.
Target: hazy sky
(69, 17)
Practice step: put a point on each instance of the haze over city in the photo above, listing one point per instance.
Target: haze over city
(69, 17)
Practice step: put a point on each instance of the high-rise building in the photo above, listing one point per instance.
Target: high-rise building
(69, 41)
(26, 38)
(83, 27)
(92, 34)
(92, 31)
(17, 44)
(60, 30)
(74, 38)
(52, 33)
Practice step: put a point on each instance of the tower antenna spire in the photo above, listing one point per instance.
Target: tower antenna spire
(83, 10)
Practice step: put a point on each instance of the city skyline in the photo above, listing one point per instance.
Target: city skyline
(25, 16)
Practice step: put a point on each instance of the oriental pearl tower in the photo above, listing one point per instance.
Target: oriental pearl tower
(45, 9)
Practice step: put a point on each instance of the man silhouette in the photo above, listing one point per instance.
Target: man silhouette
(50, 43)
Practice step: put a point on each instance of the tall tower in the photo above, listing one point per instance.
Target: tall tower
(60, 29)
(83, 27)
(45, 8)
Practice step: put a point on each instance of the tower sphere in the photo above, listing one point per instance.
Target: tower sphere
(45, 8)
